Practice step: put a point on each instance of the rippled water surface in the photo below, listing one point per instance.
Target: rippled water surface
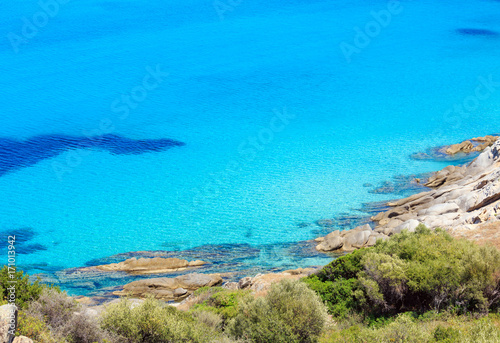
(167, 125)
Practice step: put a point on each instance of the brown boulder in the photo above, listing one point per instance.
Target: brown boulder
(332, 241)
(151, 265)
(170, 288)
(465, 147)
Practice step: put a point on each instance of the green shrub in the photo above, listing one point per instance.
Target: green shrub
(53, 307)
(446, 334)
(58, 312)
(344, 267)
(403, 329)
(34, 328)
(209, 318)
(481, 331)
(339, 296)
(408, 328)
(155, 322)
(439, 272)
(290, 312)
(26, 291)
(418, 272)
(221, 301)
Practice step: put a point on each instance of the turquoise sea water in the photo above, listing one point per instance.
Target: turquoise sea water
(244, 175)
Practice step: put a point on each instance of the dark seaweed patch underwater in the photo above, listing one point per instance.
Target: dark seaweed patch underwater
(477, 32)
(22, 239)
(15, 154)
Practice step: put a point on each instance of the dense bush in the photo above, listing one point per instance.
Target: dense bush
(58, 312)
(26, 290)
(155, 322)
(218, 300)
(408, 328)
(412, 272)
(35, 328)
(290, 312)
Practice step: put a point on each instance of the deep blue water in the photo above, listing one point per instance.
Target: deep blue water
(285, 109)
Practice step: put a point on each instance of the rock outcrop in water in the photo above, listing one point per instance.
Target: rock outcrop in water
(464, 199)
(154, 265)
(170, 288)
(477, 144)
(463, 152)
(349, 240)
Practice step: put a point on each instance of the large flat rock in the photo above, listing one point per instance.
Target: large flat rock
(170, 288)
(154, 265)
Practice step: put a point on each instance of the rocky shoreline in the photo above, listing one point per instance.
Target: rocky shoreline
(465, 200)
(462, 200)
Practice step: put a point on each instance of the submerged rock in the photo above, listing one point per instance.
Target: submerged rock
(401, 185)
(326, 222)
(154, 265)
(462, 152)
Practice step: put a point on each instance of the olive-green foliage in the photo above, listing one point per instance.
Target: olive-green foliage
(155, 322)
(218, 300)
(412, 272)
(35, 328)
(481, 331)
(408, 328)
(338, 286)
(339, 296)
(25, 290)
(446, 334)
(290, 312)
(432, 270)
(345, 267)
(64, 317)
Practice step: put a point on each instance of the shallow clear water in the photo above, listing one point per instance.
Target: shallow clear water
(229, 81)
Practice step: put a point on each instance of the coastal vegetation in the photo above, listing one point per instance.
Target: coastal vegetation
(421, 271)
(26, 291)
(424, 286)
(415, 287)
